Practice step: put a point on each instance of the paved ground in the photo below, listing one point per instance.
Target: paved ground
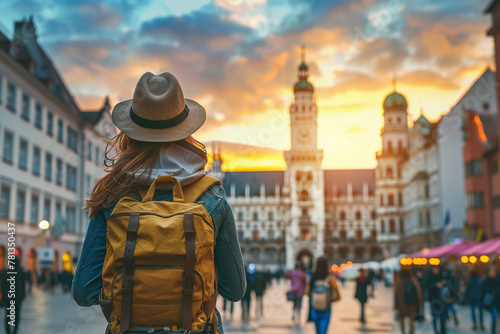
(56, 313)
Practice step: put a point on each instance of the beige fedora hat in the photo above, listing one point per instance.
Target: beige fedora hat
(158, 111)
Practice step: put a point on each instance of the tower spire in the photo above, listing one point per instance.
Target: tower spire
(303, 53)
(394, 83)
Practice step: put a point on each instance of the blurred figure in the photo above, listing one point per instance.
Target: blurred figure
(371, 281)
(297, 278)
(322, 291)
(12, 301)
(245, 301)
(408, 299)
(231, 308)
(473, 295)
(434, 283)
(450, 291)
(491, 296)
(361, 293)
(261, 281)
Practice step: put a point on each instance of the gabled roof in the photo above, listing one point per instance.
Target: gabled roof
(341, 177)
(95, 116)
(254, 179)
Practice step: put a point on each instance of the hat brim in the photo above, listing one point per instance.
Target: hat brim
(195, 119)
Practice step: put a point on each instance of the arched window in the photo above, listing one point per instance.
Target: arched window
(255, 234)
(270, 215)
(390, 198)
(343, 234)
(382, 227)
(373, 234)
(400, 145)
(388, 172)
(392, 226)
(271, 254)
(255, 215)
(359, 234)
(305, 234)
(389, 146)
(381, 199)
(342, 215)
(240, 216)
(270, 234)
(256, 253)
(309, 176)
(358, 215)
(304, 196)
(374, 214)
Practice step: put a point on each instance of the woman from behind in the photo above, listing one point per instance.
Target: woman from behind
(322, 291)
(156, 144)
(408, 298)
(361, 293)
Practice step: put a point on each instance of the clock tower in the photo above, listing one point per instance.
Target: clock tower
(304, 177)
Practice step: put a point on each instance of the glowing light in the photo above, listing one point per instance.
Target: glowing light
(484, 258)
(335, 267)
(66, 257)
(464, 259)
(434, 261)
(472, 259)
(16, 252)
(480, 129)
(349, 264)
(43, 225)
(424, 261)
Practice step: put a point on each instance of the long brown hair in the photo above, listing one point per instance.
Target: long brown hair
(124, 157)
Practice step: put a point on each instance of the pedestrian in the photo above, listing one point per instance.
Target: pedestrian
(371, 281)
(13, 288)
(491, 296)
(245, 300)
(473, 295)
(361, 293)
(322, 291)
(156, 185)
(231, 308)
(408, 298)
(450, 292)
(434, 283)
(260, 288)
(297, 278)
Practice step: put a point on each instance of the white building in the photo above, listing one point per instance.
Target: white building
(51, 151)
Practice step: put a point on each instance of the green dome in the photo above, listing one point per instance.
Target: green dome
(302, 86)
(395, 101)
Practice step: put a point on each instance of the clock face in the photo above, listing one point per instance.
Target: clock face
(304, 136)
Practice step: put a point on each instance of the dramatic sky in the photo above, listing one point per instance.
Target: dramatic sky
(238, 58)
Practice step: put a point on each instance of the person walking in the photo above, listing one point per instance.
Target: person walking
(434, 283)
(297, 279)
(361, 294)
(371, 282)
(246, 299)
(157, 189)
(491, 296)
(473, 295)
(261, 281)
(408, 298)
(13, 288)
(322, 291)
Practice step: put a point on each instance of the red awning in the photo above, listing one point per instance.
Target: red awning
(489, 247)
(448, 250)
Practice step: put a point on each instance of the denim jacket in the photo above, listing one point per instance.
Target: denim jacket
(228, 258)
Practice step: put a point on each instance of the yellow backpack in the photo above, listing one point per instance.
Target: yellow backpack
(159, 269)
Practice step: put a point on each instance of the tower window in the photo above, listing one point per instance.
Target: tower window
(390, 198)
(358, 215)
(389, 172)
(399, 120)
(389, 121)
(342, 215)
(304, 196)
(389, 146)
(392, 226)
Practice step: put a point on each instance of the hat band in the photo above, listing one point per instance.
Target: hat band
(159, 124)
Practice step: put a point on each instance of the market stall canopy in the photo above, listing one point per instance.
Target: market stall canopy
(448, 250)
(487, 247)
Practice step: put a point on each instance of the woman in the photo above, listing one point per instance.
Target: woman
(408, 298)
(297, 278)
(156, 139)
(321, 318)
(473, 294)
(361, 294)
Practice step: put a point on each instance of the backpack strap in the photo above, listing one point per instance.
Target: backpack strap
(128, 272)
(194, 190)
(188, 283)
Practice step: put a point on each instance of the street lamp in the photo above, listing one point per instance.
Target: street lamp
(44, 225)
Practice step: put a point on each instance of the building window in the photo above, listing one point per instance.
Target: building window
(390, 198)
(359, 234)
(60, 130)
(256, 254)
(48, 166)
(97, 155)
(89, 150)
(381, 199)
(11, 97)
(343, 234)
(4, 201)
(392, 226)
(23, 154)
(58, 211)
(240, 235)
(46, 209)
(36, 160)
(50, 123)
(72, 140)
(389, 121)
(373, 234)
(34, 209)
(388, 172)
(494, 166)
(374, 214)
(89, 186)
(71, 219)
(59, 171)
(342, 215)
(398, 120)
(270, 215)
(382, 226)
(255, 215)
(496, 202)
(271, 234)
(240, 216)
(70, 177)
(389, 146)
(26, 107)
(473, 167)
(255, 234)
(304, 196)
(428, 218)
(38, 116)
(400, 145)
(475, 200)
(358, 215)
(20, 205)
(305, 234)
(400, 198)
(8, 147)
